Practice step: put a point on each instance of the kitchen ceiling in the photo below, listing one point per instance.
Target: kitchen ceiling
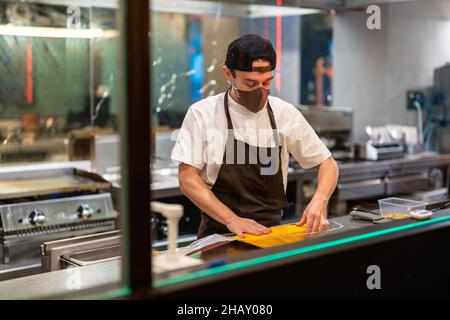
(318, 4)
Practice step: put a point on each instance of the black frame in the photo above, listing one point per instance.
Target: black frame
(136, 133)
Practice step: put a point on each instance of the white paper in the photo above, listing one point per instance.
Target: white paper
(203, 242)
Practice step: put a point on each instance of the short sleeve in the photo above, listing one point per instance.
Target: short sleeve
(304, 144)
(189, 144)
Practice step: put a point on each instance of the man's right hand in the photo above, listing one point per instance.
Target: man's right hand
(240, 225)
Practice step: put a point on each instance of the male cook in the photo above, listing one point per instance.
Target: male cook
(233, 150)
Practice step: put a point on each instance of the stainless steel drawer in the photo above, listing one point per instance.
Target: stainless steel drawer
(360, 189)
(406, 184)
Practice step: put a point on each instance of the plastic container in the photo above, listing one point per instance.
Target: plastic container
(399, 205)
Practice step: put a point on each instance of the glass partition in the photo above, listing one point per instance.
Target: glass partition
(378, 106)
(61, 96)
(58, 79)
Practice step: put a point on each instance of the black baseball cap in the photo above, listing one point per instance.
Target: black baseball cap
(248, 48)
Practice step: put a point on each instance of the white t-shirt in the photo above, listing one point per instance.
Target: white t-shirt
(201, 139)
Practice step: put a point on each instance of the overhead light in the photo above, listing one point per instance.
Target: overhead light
(262, 11)
(53, 32)
(205, 7)
(248, 11)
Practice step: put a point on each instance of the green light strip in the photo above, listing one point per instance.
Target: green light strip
(286, 254)
(111, 294)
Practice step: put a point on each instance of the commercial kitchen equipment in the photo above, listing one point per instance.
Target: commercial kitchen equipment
(37, 184)
(439, 119)
(383, 143)
(441, 94)
(106, 246)
(80, 250)
(334, 126)
(361, 180)
(380, 150)
(43, 205)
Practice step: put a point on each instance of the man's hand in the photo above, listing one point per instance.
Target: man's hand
(240, 225)
(315, 216)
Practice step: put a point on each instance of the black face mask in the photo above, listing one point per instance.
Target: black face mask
(253, 100)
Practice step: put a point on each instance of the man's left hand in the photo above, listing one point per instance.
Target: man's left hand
(315, 216)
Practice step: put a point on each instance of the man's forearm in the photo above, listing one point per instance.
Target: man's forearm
(199, 193)
(327, 180)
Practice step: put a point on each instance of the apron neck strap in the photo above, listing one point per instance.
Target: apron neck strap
(227, 111)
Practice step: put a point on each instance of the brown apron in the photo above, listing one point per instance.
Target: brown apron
(242, 187)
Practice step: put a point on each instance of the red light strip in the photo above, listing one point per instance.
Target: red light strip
(29, 70)
(278, 49)
(266, 28)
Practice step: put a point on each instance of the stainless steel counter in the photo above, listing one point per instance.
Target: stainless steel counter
(83, 165)
(165, 180)
(167, 184)
(368, 169)
(364, 172)
(63, 282)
